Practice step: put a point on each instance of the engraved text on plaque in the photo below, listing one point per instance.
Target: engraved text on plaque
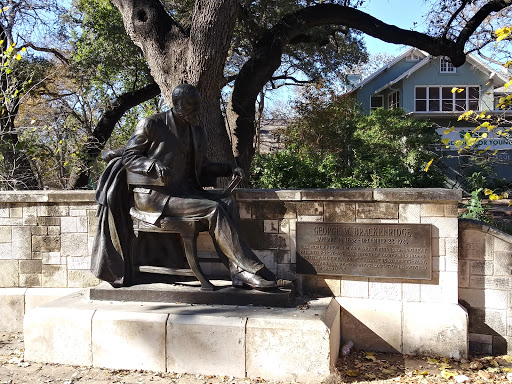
(372, 250)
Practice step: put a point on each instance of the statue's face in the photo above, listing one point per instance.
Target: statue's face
(187, 107)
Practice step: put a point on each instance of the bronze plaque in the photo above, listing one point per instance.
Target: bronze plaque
(401, 251)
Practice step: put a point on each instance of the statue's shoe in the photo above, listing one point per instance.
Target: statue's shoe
(251, 280)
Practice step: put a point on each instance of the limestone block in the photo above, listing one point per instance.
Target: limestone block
(129, 340)
(487, 321)
(80, 278)
(11, 221)
(490, 282)
(417, 194)
(384, 290)
(310, 208)
(35, 297)
(463, 273)
(29, 215)
(432, 209)
(276, 241)
(377, 211)
(31, 266)
(502, 263)
(481, 268)
(452, 254)
(74, 244)
(12, 309)
(5, 234)
(48, 221)
(451, 210)
(244, 209)
(46, 243)
(310, 218)
(210, 345)
(409, 213)
(271, 226)
(79, 262)
(318, 285)
(484, 298)
(338, 194)
(273, 210)
(282, 257)
(411, 292)
(284, 225)
(73, 211)
(55, 276)
(354, 287)
(275, 346)
(287, 271)
(53, 210)
(442, 226)
(21, 243)
(10, 273)
(39, 230)
(4, 210)
(373, 325)
(435, 329)
(267, 257)
(58, 335)
(5, 251)
(54, 230)
(30, 280)
(16, 212)
(92, 223)
(335, 212)
(69, 224)
(51, 258)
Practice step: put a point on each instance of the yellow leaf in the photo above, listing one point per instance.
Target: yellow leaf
(428, 165)
(458, 90)
(432, 361)
(505, 195)
(495, 152)
(484, 150)
(352, 372)
(18, 57)
(447, 374)
(422, 373)
(445, 141)
(502, 33)
(23, 49)
(488, 191)
(444, 366)
(494, 197)
(387, 371)
(370, 356)
(448, 130)
(458, 143)
(484, 135)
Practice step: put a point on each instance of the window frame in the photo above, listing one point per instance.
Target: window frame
(381, 97)
(441, 100)
(446, 66)
(394, 100)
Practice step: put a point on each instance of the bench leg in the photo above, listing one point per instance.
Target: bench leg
(190, 244)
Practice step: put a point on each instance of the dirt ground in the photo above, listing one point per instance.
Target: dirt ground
(357, 367)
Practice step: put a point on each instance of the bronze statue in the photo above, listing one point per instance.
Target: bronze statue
(166, 160)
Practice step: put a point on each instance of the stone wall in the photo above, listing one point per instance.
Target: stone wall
(485, 283)
(395, 315)
(45, 238)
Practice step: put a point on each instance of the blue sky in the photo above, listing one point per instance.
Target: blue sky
(402, 13)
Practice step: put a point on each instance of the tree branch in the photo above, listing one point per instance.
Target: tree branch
(454, 15)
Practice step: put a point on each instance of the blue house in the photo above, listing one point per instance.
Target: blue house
(422, 85)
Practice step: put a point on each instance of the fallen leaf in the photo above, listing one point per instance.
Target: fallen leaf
(447, 374)
(422, 373)
(444, 366)
(432, 361)
(475, 365)
(387, 371)
(352, 372)
(484, 375)
(369, 356)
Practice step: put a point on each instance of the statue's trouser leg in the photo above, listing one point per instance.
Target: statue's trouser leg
(222, 227)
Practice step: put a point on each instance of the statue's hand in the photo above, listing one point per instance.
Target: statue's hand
(239, 172)
(163, 172)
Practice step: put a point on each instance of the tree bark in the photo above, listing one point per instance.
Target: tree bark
(196, 56)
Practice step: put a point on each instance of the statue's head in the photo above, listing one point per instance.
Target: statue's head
(186, 100)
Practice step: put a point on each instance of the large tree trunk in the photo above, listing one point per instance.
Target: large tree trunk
(196, 56)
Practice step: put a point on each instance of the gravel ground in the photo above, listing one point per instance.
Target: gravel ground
(357, 367)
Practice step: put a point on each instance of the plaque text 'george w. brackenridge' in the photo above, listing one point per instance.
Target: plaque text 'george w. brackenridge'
(401, 251)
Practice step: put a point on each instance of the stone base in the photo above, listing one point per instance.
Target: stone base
(413, 328)
(286, 344)
(189, 292)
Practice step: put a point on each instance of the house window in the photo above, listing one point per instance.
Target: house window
(446, 65)
(442, 99)
(394, 100)
(376, 102)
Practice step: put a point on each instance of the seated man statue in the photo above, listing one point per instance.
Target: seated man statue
(167, 156)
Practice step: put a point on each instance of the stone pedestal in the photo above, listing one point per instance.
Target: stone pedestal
(287, 344)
